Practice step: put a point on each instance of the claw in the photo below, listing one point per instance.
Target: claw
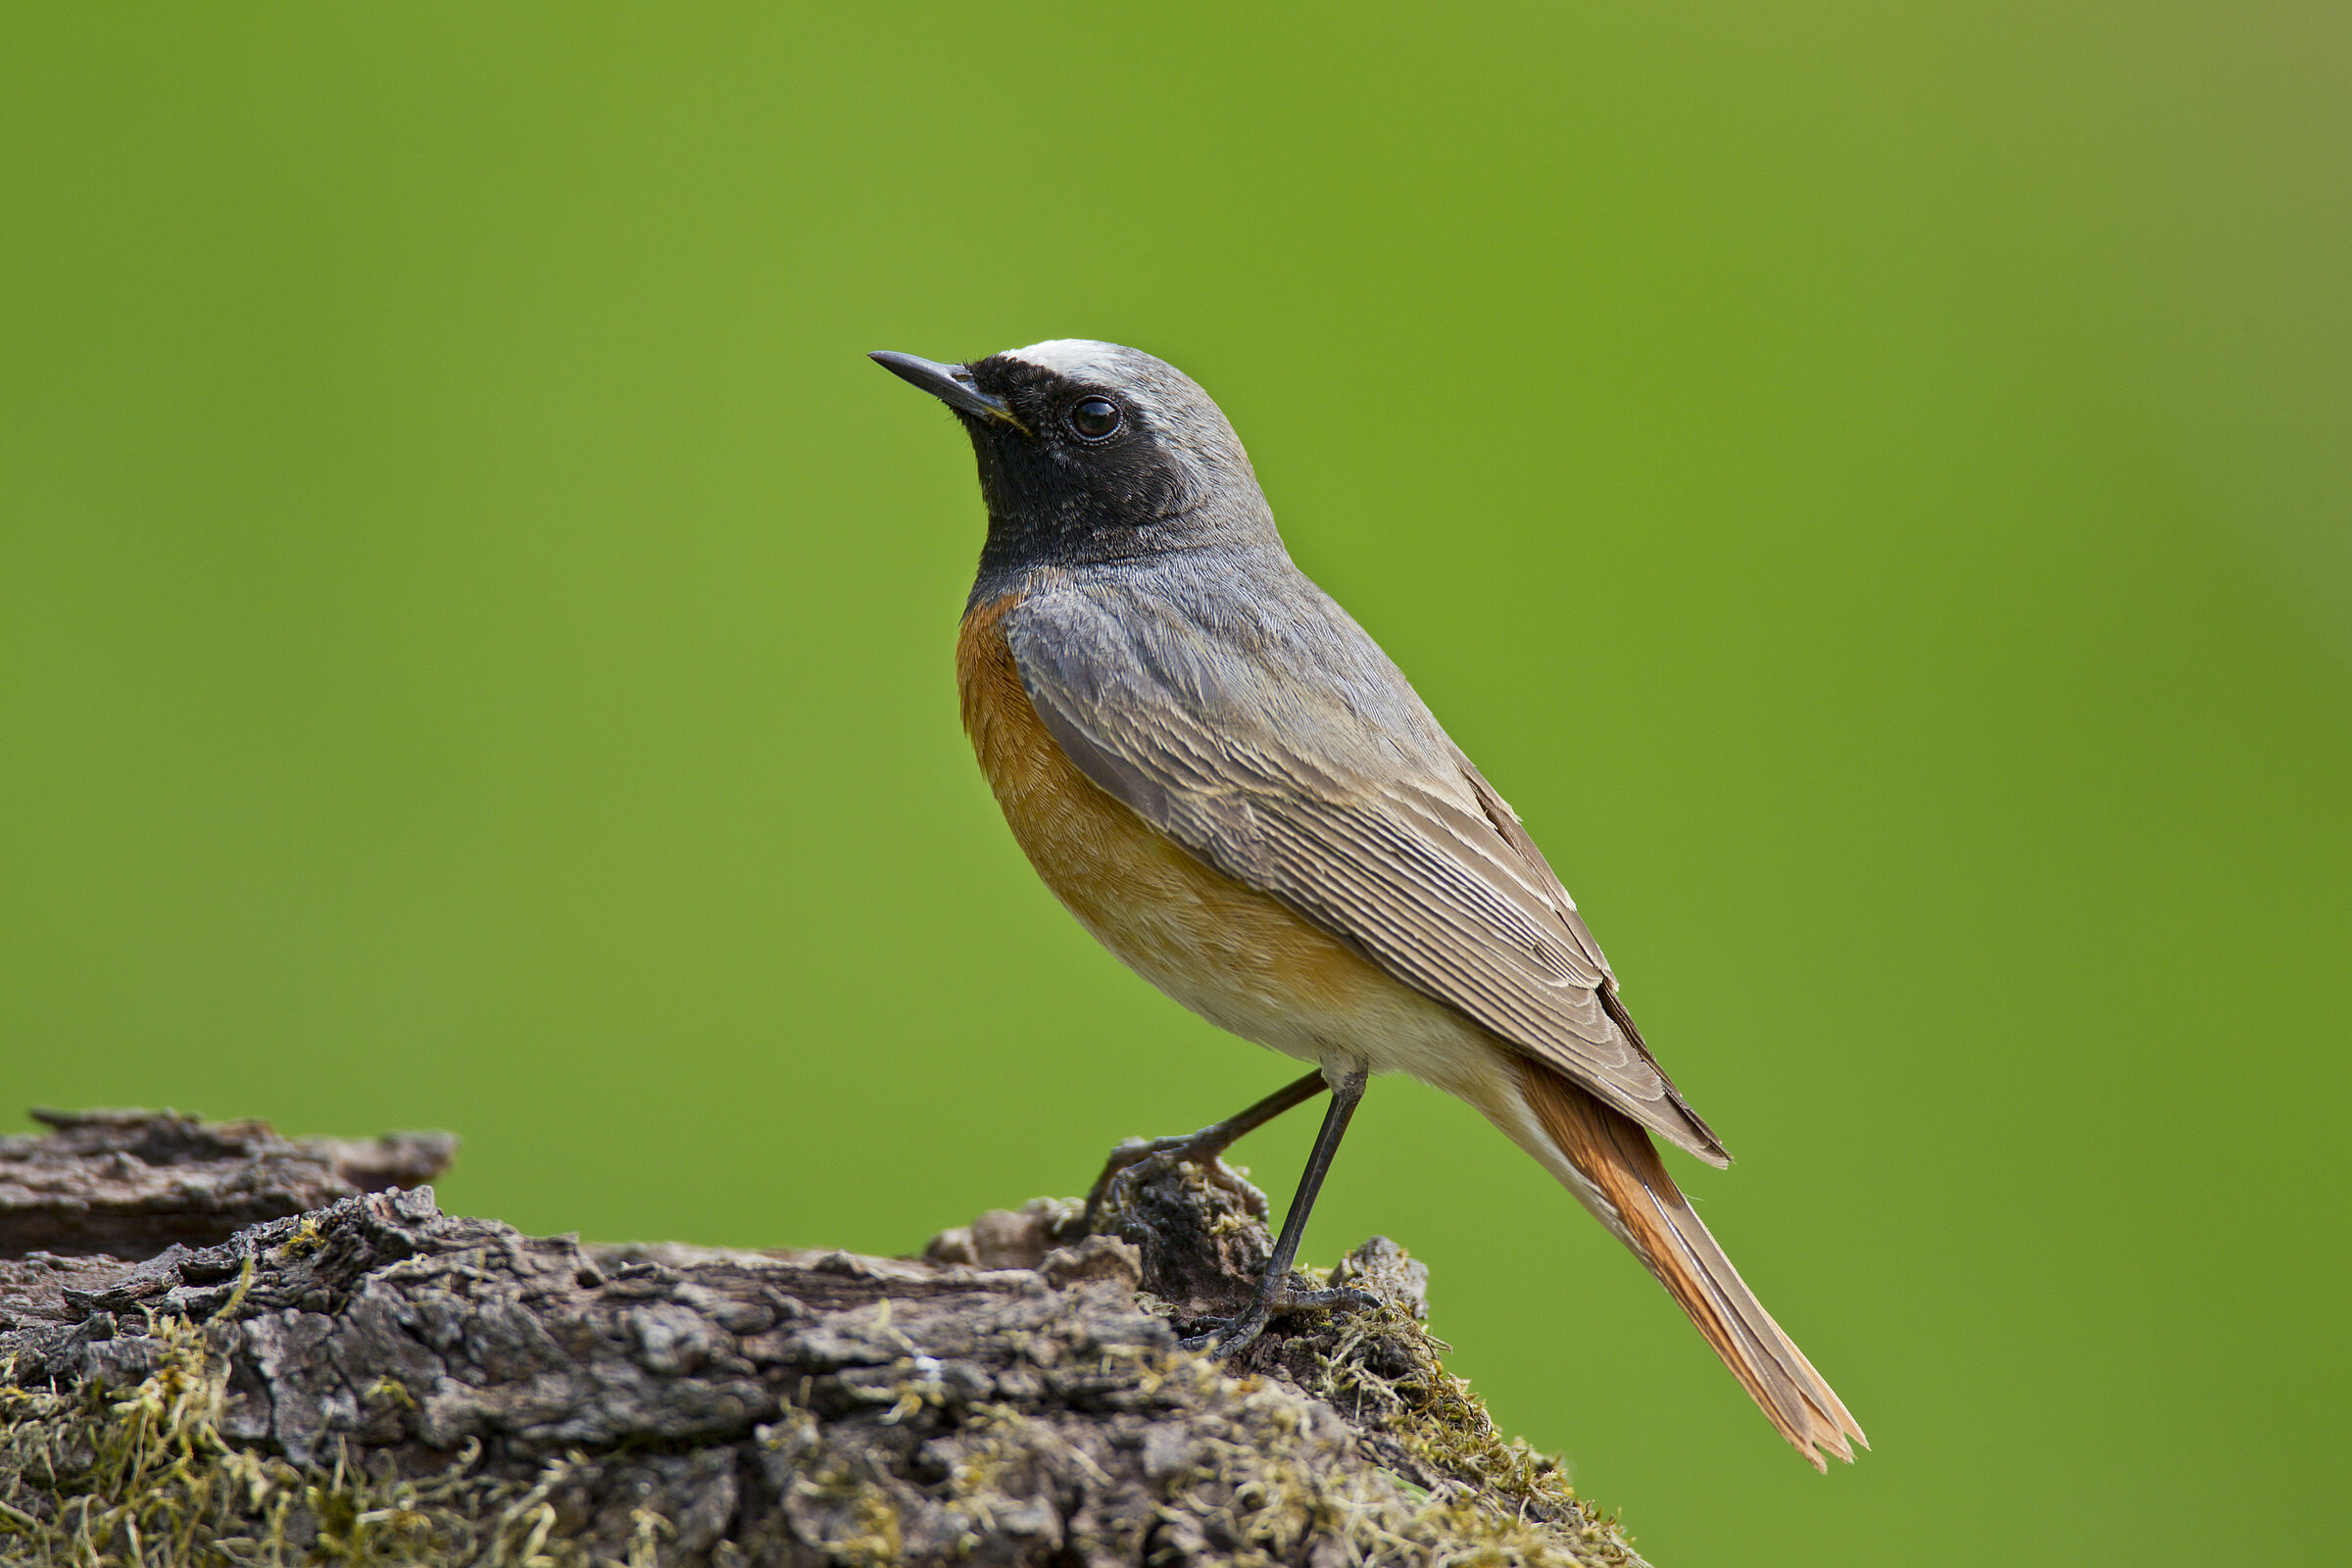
(1183, 1148)
(1194, 1147)
(1230, 1336)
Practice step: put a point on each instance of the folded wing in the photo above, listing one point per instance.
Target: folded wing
(1285, 750)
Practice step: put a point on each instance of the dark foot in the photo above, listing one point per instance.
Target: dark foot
(1230, 1337)
(1207, 1143)
(1189, 1149)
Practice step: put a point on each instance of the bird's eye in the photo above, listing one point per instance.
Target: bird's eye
(1094, 417)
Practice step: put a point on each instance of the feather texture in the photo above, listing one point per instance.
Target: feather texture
(1371, 823)
(1625, 1183)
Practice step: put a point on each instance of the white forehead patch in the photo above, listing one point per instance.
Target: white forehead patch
(1079, 359)
(1157, 388)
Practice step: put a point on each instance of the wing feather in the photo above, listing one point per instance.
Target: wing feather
(1296, 760)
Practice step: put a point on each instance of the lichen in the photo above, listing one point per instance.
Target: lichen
(1385, 1372)
(95, 1478)
(798, 1411)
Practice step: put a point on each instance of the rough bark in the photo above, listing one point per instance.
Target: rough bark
(371, 1379)
(127, 1183)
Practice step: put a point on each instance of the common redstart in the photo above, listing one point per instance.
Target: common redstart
(1227, 782)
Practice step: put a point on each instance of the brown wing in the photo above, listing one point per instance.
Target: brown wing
(1284, 749)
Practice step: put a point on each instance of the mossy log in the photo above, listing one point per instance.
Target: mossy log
(364, 1378)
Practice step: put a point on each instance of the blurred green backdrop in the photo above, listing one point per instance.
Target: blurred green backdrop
(1871, 484)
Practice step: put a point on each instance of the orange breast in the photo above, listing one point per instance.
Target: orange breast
(1240, 958)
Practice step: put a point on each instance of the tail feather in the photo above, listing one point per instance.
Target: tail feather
(1626, 1183)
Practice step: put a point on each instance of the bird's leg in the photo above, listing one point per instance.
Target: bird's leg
(1209, 1141)
(1274, 1291)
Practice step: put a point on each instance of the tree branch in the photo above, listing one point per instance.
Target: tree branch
(373, 1380)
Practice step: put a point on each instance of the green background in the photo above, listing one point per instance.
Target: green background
(1869, 483)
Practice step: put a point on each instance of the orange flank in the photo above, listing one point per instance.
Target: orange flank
(1171, 917)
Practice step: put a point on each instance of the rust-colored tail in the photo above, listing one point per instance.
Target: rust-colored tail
(1640, 1202)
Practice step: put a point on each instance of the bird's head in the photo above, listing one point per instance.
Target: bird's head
(1091, 451)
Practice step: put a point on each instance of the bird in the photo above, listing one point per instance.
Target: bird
(1231, 786)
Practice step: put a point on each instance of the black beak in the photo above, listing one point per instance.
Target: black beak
(951, 384)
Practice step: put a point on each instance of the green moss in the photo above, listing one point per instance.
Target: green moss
(1248, 1470)
(1385, 1371)
(93, 1479)
(1495, 1503)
